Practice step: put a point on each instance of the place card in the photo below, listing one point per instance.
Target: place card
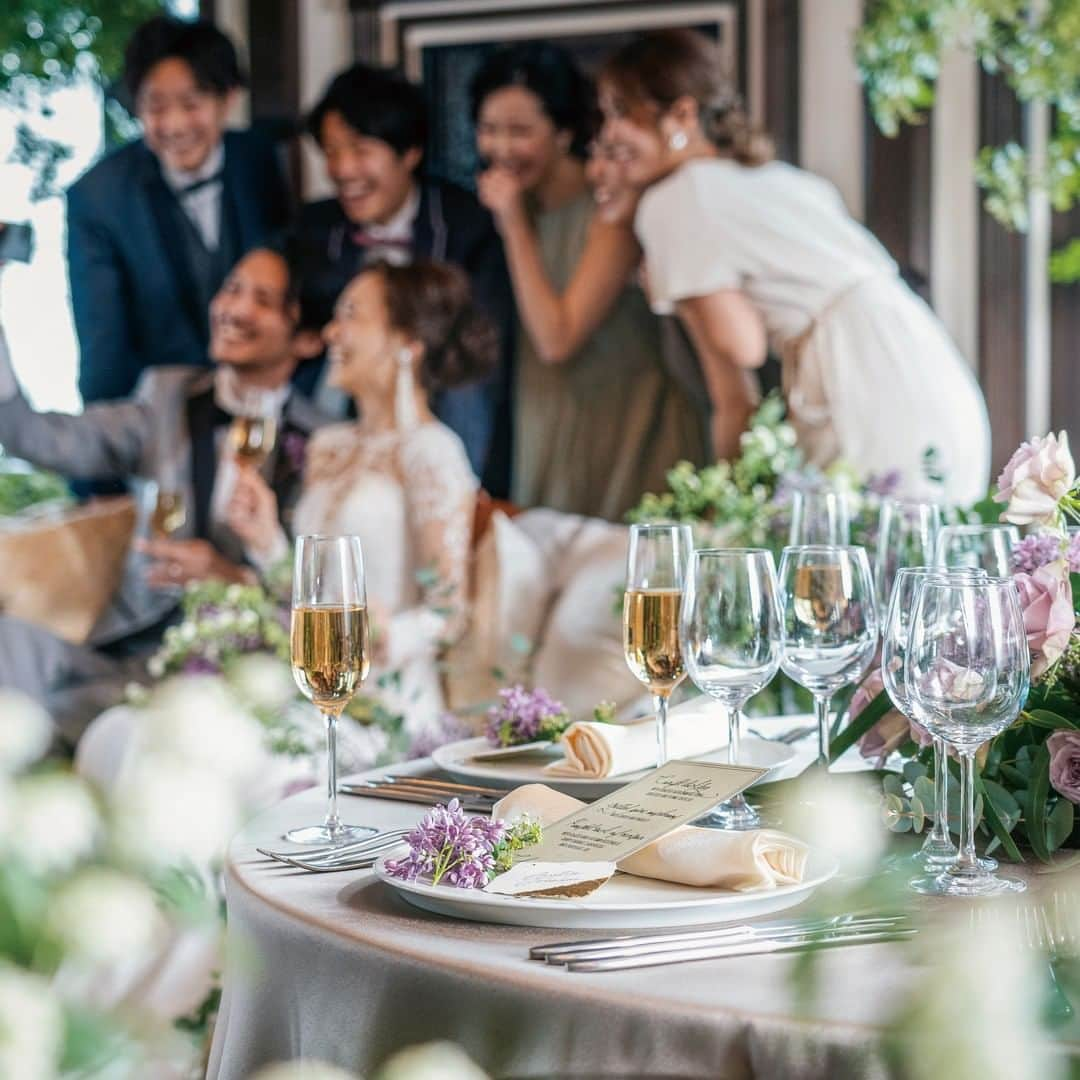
(629, 819)
(565, 880)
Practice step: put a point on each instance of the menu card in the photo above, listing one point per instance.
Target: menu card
(599, 835)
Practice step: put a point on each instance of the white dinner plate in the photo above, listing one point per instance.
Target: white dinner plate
(623, 902)
(454, 758)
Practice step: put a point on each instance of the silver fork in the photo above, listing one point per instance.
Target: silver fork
(788, 737)
(343, 852)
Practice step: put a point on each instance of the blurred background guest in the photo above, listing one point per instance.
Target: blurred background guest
(371, 126)
(747, 249)
(397, 477)
(154, 227)
(598, 420)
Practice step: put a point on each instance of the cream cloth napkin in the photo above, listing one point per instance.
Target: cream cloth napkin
(707, 858)
(596, 751)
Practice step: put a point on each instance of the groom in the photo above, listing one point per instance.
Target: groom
(174, 427)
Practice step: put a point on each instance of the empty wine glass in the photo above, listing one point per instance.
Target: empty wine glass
(729, 629)
(830, 624)
(907, 536)
(819, 517)
(984, 547)
(330, 656)
(938, 849)
(967, 676)
(656, 562)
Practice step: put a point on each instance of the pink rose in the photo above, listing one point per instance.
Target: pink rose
(1049, 617)
(1064, 747)
(1036, 478)
(891, 731)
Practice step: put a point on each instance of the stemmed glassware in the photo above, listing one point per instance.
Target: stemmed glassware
(938, 849)
(729, 629)
(253, 431)
(656, 563)
(330, 654)
(984, 547)
(829, 623)
(907, 536)
(819, 517)
(967, 672)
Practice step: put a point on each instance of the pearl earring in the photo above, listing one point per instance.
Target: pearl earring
(679, 141)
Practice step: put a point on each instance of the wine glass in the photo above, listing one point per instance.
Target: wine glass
(830, 623)
(253, 431)
(938, 849)
(329, 644)
(986, 547)
(967, 676)
(170, 512)
(655, 573)
(819, 517)
(907, 536)
(729, 630)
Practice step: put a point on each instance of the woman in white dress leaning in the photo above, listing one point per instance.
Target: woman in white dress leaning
(751, 252)
(396, 477)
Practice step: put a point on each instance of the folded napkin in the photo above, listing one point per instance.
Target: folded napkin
(595, 751)
(707, 858)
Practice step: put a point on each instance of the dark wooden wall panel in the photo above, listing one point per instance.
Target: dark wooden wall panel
(1065, 338)
(782, 76)
(1002, 308)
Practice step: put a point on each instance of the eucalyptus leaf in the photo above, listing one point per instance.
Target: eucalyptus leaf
(893, 784)
(1035, 809)
(913, 770)
(998, 827)
(918, 815)
(924, 792)
(1059, 824)
(1051, 720)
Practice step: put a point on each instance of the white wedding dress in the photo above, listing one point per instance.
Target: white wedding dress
(409, 496)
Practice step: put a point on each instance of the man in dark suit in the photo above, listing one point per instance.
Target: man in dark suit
(154, 227)
(371, 126)
(174, 430)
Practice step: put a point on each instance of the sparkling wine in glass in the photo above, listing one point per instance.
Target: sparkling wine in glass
(252, 439)
(938, 849)
(819, 517)
(829, 621)
(729, 629)
(980, 547)
(330, 652)
(169, 514)
(907, 536)
(655, 574)
(967, 672)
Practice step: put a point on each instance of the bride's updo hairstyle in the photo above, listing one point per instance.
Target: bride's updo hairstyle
(652, 72)
(431, 302)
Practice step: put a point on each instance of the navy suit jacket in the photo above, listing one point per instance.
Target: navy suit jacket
(451, 226)
(134, 299)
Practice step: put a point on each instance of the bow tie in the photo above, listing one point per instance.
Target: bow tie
(365, 239)
(198, 185)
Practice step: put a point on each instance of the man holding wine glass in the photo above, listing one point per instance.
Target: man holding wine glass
(173, 433)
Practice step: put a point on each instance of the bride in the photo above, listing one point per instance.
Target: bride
(397, 478)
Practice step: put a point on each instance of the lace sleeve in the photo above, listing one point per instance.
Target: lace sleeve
(440, 492)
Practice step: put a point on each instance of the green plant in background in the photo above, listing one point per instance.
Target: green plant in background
(24, 487)
(46, 45)
(1034, 47)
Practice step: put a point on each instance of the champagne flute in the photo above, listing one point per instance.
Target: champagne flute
(655, 573)
(830, 623)
(729, 630)
(967, 672)
(253, 431)
(907, 536)
(938, 849)
(170, 512)
(985, 547)
(819, 517)
(330, 654)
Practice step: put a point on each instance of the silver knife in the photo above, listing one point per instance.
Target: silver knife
(420, 798)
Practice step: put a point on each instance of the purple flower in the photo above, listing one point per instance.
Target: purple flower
(449, 846)
(1036, 550)
(200, 665)
(449, 729)
(1064, 747)
(1072, 553)
(524, 716)
(294, 447)
(884, 484)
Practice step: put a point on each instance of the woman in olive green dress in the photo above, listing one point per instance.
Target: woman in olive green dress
(599, 419)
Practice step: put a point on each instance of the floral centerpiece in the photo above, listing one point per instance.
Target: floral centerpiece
(1029, 784)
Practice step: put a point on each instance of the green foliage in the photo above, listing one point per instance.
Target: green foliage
(898, 52)
(20, 489)
(520, 835)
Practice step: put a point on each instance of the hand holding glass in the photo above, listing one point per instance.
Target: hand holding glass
(329, 644)
(729, 629)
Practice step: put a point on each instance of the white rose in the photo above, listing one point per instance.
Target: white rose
(54, 821)
(31, 1026)
(25, 731)
(263, 681)
(1039, 474)
(167, 810)
(104, 916)
(431, 1061)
